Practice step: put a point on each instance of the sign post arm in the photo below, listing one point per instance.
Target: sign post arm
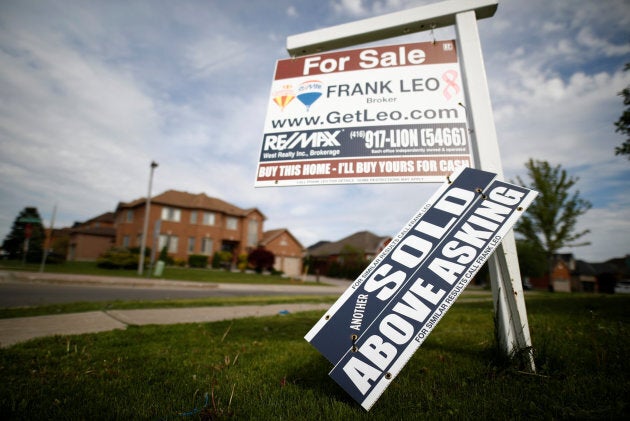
(507, 289)
(395, 24)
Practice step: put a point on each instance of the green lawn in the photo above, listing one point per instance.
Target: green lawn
(170, 273)
(262, 369)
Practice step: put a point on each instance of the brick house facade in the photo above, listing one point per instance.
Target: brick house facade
(188, 224)
(88, 240)
(287, 250)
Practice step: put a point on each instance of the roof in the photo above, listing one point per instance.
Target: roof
(96, 231)
(269, 236)
(107, 217)
(317, 245)
(363, 240)
(192, 201)
(585, 268)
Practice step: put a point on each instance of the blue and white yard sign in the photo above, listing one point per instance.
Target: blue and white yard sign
(378, 323)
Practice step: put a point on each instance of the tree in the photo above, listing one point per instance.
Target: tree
(27, 225)
(549, 223)
(261, 259)
(352, 261)
(623, 124)
(531, 259)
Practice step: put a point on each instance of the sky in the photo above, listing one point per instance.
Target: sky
(91, 92)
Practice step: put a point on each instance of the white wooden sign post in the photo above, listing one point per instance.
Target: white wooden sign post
(507, 288)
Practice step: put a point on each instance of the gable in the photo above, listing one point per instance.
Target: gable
(276, 237)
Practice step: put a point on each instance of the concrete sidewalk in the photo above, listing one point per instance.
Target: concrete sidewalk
(22, 329)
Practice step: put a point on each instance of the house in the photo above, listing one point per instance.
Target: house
(571, 275)
(187, 223)
(88, 240)
(584, 278)
(611, 273)
(287, 250)
(362, 245)
(562, 270)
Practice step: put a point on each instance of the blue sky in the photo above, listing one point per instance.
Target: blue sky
(92, 92)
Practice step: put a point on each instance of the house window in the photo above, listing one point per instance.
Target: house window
(208, 218)
(231, 223)
(168, 241)
(206, 246)
(191, 244)
(129, 215)
(126, 241)
(171, 214)
(193, 217)
(252, 233)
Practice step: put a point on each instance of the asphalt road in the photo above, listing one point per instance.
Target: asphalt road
(20, 293)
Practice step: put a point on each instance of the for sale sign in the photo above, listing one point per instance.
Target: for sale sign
(374, 115)
(373, 329)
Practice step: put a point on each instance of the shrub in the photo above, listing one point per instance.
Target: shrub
(118, 258)
(198, 261)
(261, 259)
(216, 261)
(168, 260)
(242, 262)
(222, 259)
(136, 250)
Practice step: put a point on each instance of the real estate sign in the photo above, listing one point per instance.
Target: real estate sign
(374, 115)
(377, 324)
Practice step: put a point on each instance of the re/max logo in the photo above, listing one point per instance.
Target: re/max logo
(319, 139)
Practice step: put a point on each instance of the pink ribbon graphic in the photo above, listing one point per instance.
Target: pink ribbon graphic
(450, 76)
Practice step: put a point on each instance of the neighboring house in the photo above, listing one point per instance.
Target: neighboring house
(88, 240)
(187, 223)
(286, 249)
(365, 243)
(570, 275)
(584, 278)
(562, 268)
(611, 273)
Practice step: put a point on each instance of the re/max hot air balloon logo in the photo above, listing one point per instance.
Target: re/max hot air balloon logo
(307, 93)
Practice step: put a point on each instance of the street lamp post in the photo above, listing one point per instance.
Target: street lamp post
(146, 221)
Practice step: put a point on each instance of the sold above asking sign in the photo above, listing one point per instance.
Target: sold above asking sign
(377, 324)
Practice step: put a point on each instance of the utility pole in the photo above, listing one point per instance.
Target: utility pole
(48, 239)
(147, 207)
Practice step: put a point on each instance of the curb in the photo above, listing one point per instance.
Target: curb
(21, 329)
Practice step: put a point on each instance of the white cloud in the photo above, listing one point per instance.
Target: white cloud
(215, 53)
(292, 11)
(349, 7)
(587, 39)
(365, 8)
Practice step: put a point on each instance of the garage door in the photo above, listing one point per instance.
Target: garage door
(291, 266)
